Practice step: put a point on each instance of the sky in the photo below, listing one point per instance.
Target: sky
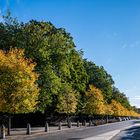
(108, 31)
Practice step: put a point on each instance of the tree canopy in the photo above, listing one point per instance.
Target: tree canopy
(53, 50)
(67, 82)
(99, 77)
(67, 100)
(94, 102)
(18, 90)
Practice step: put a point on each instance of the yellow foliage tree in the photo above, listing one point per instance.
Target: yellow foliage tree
(67, 100)
(116, 107)
(18, 91)
(119, 110)
(94, 102)
(108, 110)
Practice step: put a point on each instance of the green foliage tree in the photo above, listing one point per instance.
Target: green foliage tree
(99, 77)
(54, 52)
(59, 65)
(121, 98)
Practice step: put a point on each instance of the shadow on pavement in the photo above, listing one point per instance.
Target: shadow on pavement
(74, 139)
(137, 122)
(132, 133)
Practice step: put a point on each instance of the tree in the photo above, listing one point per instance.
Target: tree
(94, 101)
(54, 52)
(121, 98)
(118, 109)
(108, 110)
(18, 88)
(67, 100)
(18, 91)
(99, 77)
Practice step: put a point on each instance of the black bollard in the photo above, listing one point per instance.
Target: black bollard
(46, 127)
(78, 123)
(28, 129)
(84, 123)
(2, 136)
(69, 124)
(90, 122)
(59, 126)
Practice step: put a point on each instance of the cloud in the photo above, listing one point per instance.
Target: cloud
(135, 101)
(132, 45)
(136, 98)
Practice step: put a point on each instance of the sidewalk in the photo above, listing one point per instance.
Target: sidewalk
(105, 136)
(130, 133)
(20, 133)
(110, 135)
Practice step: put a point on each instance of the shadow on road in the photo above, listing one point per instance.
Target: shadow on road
(136, 122)
(132, 133)
(74, 139)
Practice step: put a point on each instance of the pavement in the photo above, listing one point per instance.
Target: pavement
(55, 134)
(105, 136)
(128, 133)
(131, 133)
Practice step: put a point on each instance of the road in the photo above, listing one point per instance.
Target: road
(82, 133)
(132, 133)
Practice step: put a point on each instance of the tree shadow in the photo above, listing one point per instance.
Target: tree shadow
(130, 134)
(74, 139)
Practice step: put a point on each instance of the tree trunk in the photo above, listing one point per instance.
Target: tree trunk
(9, 125)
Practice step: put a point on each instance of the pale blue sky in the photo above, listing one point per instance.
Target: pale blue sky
(108, 31)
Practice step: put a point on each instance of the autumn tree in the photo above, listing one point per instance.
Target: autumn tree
(99, 77)
(67, 100)
(54, 52)
(18, 88)
(94, 101)
(121, 98)
(57, 62)
(108, 110)
(118, 109)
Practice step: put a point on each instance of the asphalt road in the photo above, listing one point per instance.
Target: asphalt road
(133, 133)
(82, 133)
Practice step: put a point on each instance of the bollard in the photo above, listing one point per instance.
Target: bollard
(78, 123)
(59, 126)
(96, 123)
(69, 124)
(2, 136)
(84, 123)
(46, 127)
(90, 122)
(28, 129)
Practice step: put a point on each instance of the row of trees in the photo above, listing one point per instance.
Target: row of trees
(94, 98)
(40, 69)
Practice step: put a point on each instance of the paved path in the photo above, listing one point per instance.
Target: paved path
(104, 136)
(102, 132)
(132, 133)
